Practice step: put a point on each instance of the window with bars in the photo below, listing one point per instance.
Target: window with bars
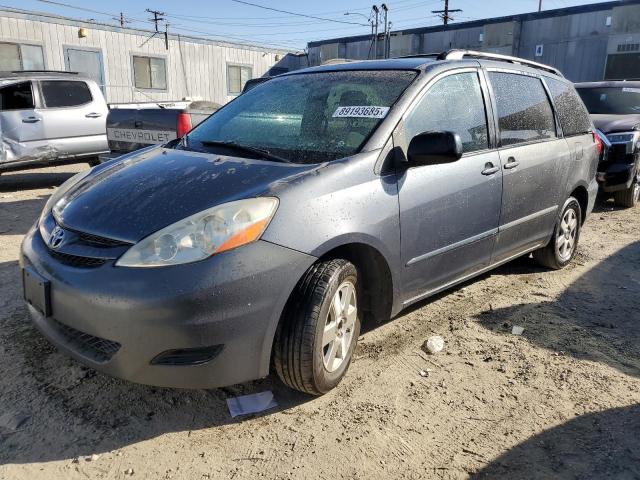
(237, 76)
(16, 56)
(149, 72)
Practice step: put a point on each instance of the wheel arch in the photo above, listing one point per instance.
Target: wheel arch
(581, 194)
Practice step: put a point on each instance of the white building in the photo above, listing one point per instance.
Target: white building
(134, 64)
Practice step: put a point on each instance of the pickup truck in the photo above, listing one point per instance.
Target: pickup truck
(131, 126)
(49, 117)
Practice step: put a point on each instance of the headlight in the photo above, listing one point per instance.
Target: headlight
(55, 198)
(621, 137)
(204, 234)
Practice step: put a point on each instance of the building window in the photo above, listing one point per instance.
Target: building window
(149, 73)
(15, 56)
(237, 76)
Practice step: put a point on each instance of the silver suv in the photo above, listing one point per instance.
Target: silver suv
(48, 117)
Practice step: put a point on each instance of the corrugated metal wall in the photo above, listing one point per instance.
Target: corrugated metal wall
(576, 43)
(195, 69)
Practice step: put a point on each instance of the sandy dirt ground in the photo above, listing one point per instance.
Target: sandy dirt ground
(560, 401)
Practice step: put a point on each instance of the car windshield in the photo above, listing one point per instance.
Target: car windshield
(611, 100)
(304, 118)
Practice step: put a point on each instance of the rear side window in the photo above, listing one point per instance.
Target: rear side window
(572, 113)
(16, 97)
(453, 104)
(65, 93)
(524, 111)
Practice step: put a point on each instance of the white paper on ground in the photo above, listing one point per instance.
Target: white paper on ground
(517, 330)
(254, 403)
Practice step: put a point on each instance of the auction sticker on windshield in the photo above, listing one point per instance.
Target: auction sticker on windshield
(360, 112)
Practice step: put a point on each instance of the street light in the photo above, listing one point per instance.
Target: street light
(368, 19)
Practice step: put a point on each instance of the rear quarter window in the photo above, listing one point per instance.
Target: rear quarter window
(524, 111)
(65, 93)
(573, 116)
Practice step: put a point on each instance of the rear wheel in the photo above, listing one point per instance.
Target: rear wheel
(319, 331)
(562, 247)
(630, 197)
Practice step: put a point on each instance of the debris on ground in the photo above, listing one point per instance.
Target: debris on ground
(253, 403)
(434, 344)
(517, 330)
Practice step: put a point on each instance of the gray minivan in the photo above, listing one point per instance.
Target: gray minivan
(50, 117)
(319, 200)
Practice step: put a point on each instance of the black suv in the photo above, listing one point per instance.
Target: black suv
(615, 110)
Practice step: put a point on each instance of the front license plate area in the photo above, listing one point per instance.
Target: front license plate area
(37, 291)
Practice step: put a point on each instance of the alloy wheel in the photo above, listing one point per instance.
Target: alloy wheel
(566, 235)
(339, 326)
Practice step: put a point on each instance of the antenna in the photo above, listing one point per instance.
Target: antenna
(157, 17)
(444, 14)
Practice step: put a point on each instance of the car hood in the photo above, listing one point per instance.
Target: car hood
(615, 123)
(131, 198)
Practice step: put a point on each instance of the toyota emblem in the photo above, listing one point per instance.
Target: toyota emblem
(57, 237)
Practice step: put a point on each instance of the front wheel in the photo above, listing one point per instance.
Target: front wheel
(319, 330)
(562, 247)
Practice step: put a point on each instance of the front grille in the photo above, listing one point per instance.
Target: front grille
(77, 261)
(95, 348)
(100, 241)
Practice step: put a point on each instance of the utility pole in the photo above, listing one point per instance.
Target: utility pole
(444, 14)
(539, 5)
(157, 17)
(123, 21)
(386, 29)
(375, 37)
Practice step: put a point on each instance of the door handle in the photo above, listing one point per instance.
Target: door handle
(490, 169)
(30, 120)
(93, 115)
(511, 163)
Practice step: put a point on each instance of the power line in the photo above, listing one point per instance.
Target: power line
(298, 14)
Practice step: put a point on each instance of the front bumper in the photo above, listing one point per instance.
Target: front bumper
(613, 177)
(230, 303)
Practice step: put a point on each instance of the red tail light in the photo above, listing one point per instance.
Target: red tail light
(599, 144)
(184, 124)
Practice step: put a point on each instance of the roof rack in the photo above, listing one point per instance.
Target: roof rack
(457, 54)
(36, 72)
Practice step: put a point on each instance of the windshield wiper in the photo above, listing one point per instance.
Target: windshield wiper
(262, 153)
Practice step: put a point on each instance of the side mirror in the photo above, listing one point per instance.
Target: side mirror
(432, 148)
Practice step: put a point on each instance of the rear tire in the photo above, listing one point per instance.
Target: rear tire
(628, 198)
(563, 244)
(319, 330)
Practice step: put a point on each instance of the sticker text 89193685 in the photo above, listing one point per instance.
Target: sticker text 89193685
(363, 111)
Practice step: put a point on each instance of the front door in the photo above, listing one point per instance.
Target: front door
(449, 213)
(87, 62)
(533, 160)
(21, 124)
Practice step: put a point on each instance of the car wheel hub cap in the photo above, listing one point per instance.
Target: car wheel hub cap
(339, 326)
(566, 239)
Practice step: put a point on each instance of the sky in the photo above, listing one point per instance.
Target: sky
(237, 20)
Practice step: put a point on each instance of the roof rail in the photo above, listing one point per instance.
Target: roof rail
(44, 72)
(457, 54)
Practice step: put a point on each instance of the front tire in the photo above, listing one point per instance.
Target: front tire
(319, 330)
(563, 244)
